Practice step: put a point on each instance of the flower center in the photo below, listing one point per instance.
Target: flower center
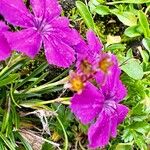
(104, 64)
(86, 67)
(42, 25)
(77, 83)
(110, 107)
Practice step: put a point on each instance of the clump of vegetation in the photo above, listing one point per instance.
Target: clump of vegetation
(35, 96)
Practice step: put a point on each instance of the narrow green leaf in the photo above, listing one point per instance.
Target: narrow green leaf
(38, 80)
(129, 1)
(86, 15)
(2, 145)
(145, 55)
(102, 10)
(12, 139)
(8, 80)
(33, 74)
(146, 43)
(7, 142)
(144, 23)
(13, 68)
(6, 118)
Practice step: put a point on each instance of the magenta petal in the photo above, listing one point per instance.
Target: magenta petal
(99, 132)
(60, 22)
(117, 118)
(101, 78)
(3, 26)
(60, 29)
(122, 111)
(113, 85)
(121, 91)
(114, 124)
(40, 7)
(15, 12)
(27, 41)
(95, 45)
(58, 53)
(87, 105)
(106, 125)
(70, 37)
(81, 46)
(4, 48)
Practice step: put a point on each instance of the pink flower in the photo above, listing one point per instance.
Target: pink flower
(93, 61)
(42, 27)
(101, 108)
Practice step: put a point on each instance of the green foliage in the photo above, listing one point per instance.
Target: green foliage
(133, 31)
(127, 18)
(146, 43)
(102, 10)
(124, 146)
(132, 67)
(127, 14)
(144, 23)
(87, 17)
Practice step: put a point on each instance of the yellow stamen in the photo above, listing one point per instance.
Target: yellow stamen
(105, 64)
(76, 83)
(86, 67)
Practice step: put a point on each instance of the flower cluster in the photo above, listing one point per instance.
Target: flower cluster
(99, 92)
(96, 79)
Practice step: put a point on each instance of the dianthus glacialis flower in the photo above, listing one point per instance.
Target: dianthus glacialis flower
(103, 106)
(93, 61)
(88, 52)
(4, 46)
(43, 25)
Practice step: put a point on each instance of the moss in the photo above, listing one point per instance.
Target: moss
(109, 25)
(67, 5)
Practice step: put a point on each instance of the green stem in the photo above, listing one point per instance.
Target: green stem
(147, 72)
(147, 9)
(44, 86)
(120, 2)
(15, 60)
(33, 104)
(64, 131)
(65, 134)
(112, 3)
(11, 63)
(81, 146)
(12, 97)
(57, 100)
(60, 76)
(4, 70)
